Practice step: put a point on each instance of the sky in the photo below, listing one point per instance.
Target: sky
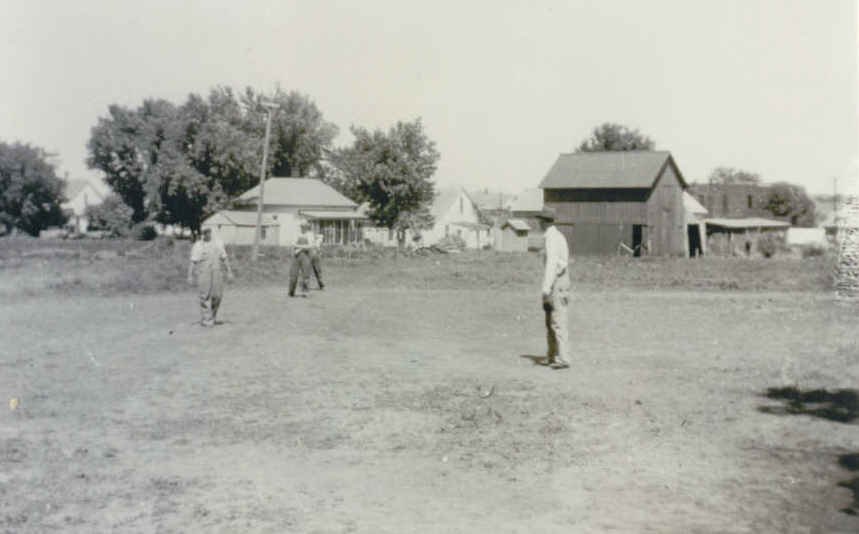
(502, 87)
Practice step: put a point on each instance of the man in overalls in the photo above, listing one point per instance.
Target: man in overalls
(555, 291)
(207, 254)
(299, 270)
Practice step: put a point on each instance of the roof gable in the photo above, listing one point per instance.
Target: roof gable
(444, 200)
(76, 187)
(528, 200)
(298, 192)
(636, 169)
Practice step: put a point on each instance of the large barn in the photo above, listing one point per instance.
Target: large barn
(603, 200)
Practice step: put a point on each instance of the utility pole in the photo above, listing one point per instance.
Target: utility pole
(835, 196)
(271, 106)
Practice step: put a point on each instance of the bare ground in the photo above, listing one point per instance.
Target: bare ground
(361, 410)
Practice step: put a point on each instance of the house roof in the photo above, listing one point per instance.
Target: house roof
(636, 169)
(239, 218)
(486, 200)
(308, 192)
(443, 201)
(528, 200)
(516, 224)
(747, 222)
(74, 187)
(338, 215)
(691, 205)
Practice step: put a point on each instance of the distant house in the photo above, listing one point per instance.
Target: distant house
(606, 200)
(513, 236)
(493, 208)
(239, 227)
(734, 201)
(741, 236)
(294, 203)
(696, 225)
(526, 206)
(455, 214)
(80, 194)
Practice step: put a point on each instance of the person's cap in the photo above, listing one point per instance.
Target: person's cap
(547, 214)
(207, 230)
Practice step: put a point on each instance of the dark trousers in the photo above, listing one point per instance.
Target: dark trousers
(316, 264)
(299, 270)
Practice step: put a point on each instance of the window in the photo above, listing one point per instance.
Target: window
(262, 232)
(749, 199)
(446, 230)
(724, 203)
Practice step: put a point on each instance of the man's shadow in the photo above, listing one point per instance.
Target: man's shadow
(839, 406)
(538, 360)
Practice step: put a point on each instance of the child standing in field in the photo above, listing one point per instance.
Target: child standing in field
(207, 254)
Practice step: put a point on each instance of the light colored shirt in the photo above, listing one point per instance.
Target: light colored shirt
(317, 240)
(557, 257)
(207, 251)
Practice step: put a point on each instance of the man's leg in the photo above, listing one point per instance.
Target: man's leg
(315, 262)
(551, 340)
(305, 269)
(216, 303)
(206, 317)
(293, 275)
(560, 301)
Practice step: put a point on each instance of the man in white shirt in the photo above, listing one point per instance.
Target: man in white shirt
(555, 291)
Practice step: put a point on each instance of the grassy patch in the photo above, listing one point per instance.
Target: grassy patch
(126, 266)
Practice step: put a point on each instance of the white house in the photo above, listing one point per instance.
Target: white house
(239, 227)
(80, 195)
(290, 204)
(455, 214)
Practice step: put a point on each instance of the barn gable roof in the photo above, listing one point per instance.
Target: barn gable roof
(635, 169)
(298, 192)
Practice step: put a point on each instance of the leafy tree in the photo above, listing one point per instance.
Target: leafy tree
(126, 145)
(392, 172)
(730, 175)
(611, 137)
(791, 201)
(30, 191)
(177, 164)
(112, 216)
(299, 134)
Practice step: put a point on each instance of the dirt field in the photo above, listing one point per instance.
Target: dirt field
(409, 410)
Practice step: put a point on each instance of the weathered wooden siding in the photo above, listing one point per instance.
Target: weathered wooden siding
(666, 218)
(596, 221)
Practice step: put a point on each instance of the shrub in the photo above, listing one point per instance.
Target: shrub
(452, 242)
(144, 232)
(813, 251)
(770, 244)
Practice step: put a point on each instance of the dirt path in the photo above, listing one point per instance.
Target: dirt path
(411, 411)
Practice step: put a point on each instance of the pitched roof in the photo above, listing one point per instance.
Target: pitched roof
(73, 187)
(747, 222)
(486, 200)
(635, 169)
(239, 218)
(516, 224)
(692, 205)
(298, 192)
(444, 199)
(528, 200)
(334, 215)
